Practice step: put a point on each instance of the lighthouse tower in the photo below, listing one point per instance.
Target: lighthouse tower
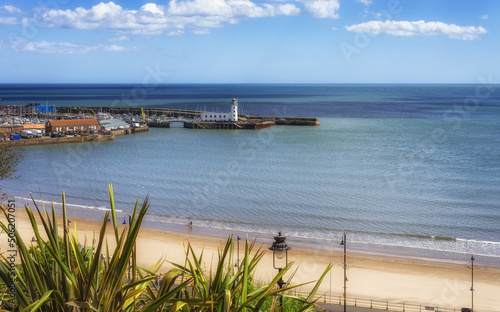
(234, 110)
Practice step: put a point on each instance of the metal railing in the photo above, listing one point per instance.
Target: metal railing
(384, 305)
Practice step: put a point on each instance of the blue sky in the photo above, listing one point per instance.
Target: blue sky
(249, 41)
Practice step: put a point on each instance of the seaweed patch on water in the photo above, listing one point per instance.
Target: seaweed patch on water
(450, 239)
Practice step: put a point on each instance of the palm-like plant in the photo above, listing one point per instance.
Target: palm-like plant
(223, 290)
(59, 274)
(64, 275)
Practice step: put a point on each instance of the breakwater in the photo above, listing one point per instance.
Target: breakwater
(229, 125)
(290, 121)
(47, 140)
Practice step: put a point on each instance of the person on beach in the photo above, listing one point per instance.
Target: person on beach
(160, 279)
(190, 225)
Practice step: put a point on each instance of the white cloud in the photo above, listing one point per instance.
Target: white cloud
(322, 8)
(114, 48)
(484, 16)
(8, 21)
(366, 2)
(11, 9)
(288, 9)
(121, 38)
(51, 47)
(153, 19)
(418, 28)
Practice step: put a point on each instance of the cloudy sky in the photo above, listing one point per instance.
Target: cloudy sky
(239, 41)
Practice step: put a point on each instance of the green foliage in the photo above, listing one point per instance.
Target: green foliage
(59, 274)
(9, 159)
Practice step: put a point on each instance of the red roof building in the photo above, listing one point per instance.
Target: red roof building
(72, 125)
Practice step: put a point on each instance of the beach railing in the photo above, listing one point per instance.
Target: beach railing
(324, 301)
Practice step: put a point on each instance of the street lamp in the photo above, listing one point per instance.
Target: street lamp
(280, 250)
(472, 283)
(237, 264)
(344, 243)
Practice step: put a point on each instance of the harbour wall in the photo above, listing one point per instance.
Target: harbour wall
(130, 130)
(290, 121)
(229, 125)
(47, 140)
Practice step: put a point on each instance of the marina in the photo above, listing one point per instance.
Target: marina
(36, 125)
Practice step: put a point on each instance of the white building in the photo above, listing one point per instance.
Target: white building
(113, 124)
(231, 116)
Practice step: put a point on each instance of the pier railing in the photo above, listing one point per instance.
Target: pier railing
(324, 301)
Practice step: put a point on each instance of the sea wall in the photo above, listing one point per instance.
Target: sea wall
(47, 140)
(290, 121)
(229, 125)
(130, 130)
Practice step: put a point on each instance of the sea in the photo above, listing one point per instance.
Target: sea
(403, 169)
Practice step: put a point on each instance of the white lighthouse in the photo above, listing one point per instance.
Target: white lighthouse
(234, 110)
(222, 117)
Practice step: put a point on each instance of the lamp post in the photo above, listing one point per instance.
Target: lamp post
(344, 243)
(129, 219)
(472, 282)
(238, 261)
(280, 249)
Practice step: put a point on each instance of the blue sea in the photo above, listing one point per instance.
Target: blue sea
(412, 170)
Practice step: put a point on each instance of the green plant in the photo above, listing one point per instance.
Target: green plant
(59, 274)
(220, 289)
(9, 159)
(66, 276)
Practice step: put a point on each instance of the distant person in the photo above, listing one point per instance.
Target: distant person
(190, 225)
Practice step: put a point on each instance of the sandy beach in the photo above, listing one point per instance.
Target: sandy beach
(397, 280)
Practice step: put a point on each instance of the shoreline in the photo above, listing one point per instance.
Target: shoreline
(157, 222)
(377, 277)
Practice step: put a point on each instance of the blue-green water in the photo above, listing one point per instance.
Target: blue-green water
(403, 169)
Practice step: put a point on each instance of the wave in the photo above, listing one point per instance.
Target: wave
(400, 244)
(58, 205)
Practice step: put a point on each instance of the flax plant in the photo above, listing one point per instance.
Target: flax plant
(56, 273)
(223, 290)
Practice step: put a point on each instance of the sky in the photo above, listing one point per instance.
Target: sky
(249, 41)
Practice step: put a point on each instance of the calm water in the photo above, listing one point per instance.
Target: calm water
(406, 169)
